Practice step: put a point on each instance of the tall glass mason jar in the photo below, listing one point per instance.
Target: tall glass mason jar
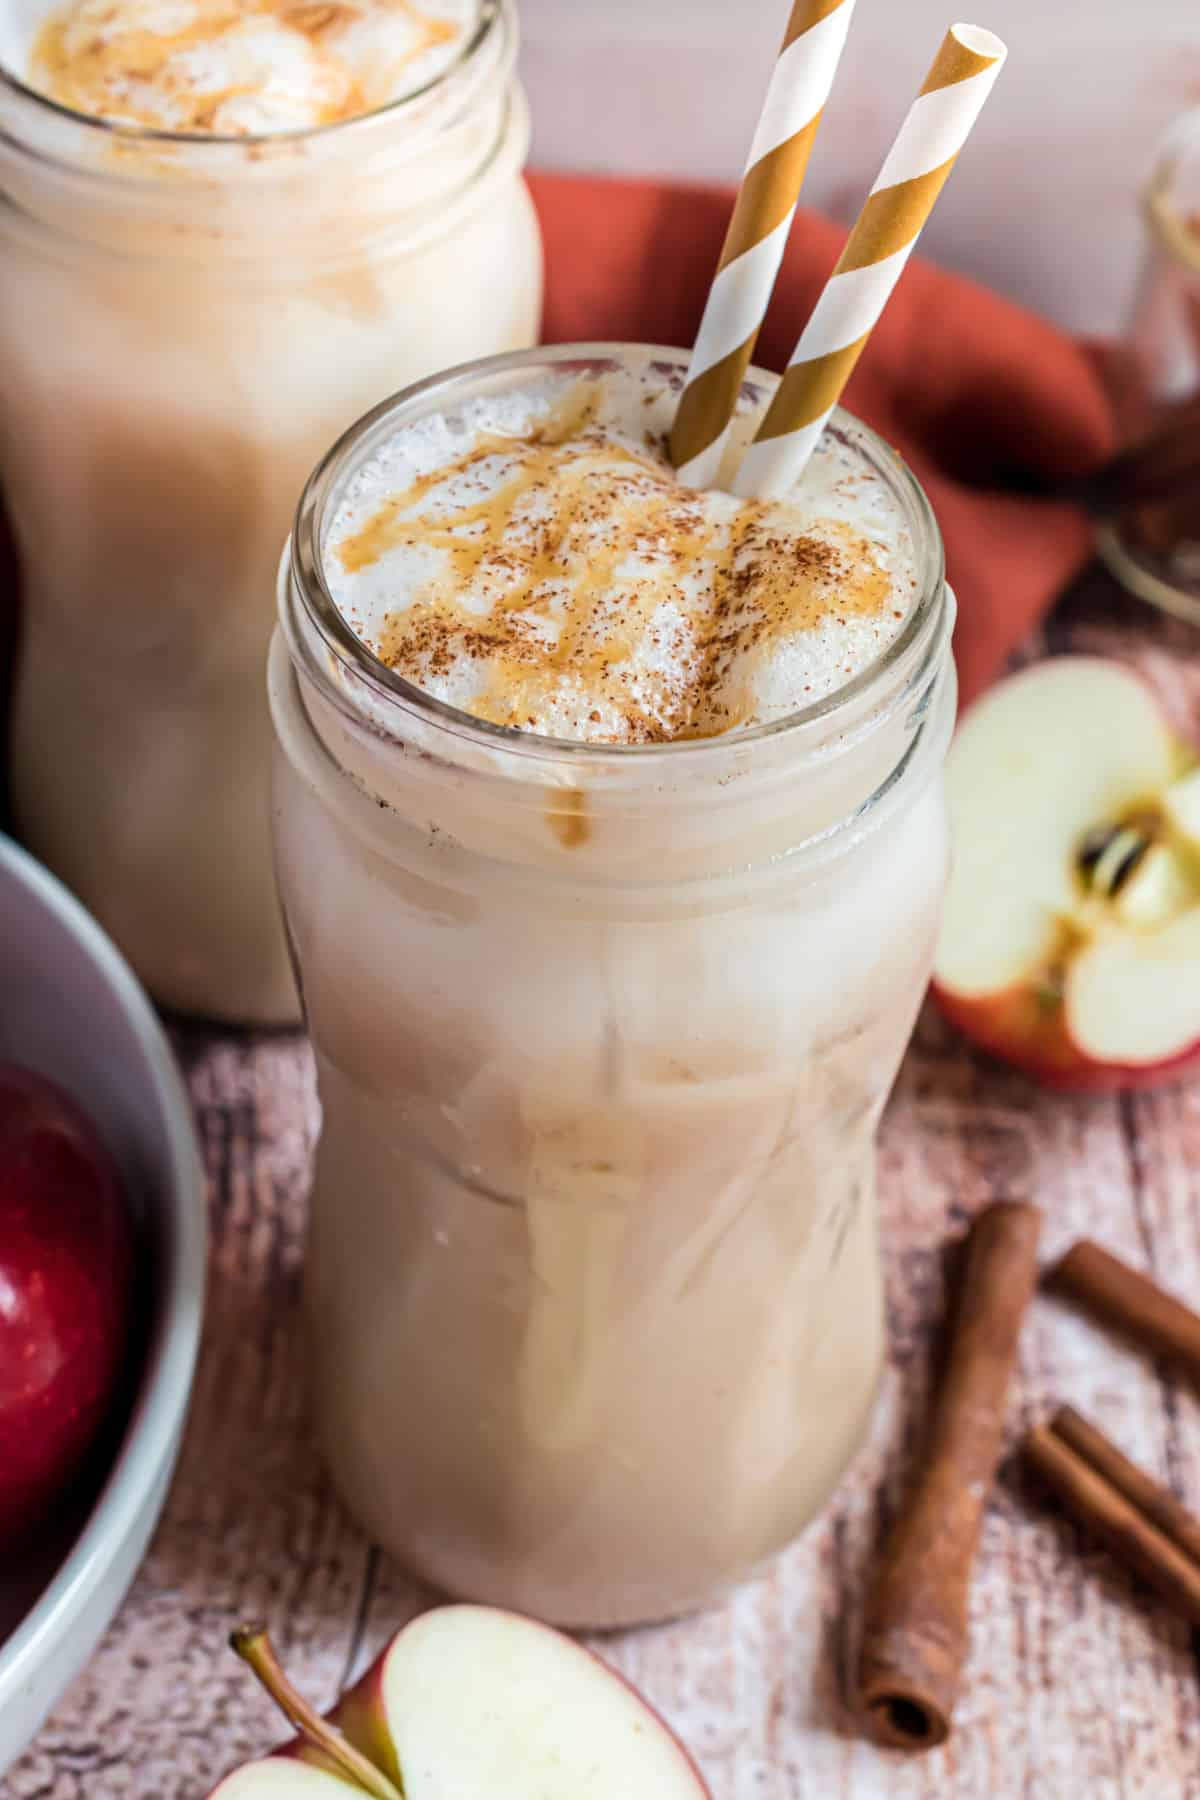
(1154, 549)
(603, 1037)
(185, 324)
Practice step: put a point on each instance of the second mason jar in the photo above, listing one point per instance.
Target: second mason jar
(1154, 548)
(603, 1036)
(185, 322)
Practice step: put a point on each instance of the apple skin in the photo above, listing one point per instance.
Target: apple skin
(361, 1715)
(66, 1273)
(1019, 1028)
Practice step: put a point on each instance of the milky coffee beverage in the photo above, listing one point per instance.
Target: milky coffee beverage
(610, 833)
(226, 226)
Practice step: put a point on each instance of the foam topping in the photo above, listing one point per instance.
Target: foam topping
(242, 67)
(535, 561)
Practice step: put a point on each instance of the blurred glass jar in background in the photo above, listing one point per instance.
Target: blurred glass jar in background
(185, 322)
(1153, 544)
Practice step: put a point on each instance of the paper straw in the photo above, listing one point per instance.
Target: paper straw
(758, 231)
(869, 267)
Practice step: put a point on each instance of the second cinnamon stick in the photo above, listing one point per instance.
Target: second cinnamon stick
(1155, 1503)
(915, 1624)
(1107, 1511)
(1096, 1279)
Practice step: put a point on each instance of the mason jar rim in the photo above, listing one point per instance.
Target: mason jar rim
(490, 14)
(304, 578)
(1180, 142)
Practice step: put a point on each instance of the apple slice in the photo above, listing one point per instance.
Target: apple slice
(1070, 943)
(468, 1701)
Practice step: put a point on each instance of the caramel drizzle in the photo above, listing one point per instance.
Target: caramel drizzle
(93, 76)
(606, 502)
(568, 819)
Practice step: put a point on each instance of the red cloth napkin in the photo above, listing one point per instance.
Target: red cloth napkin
(979, 396)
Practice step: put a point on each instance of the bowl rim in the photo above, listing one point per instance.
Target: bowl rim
(163, 1392)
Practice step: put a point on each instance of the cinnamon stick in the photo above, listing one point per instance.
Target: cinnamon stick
(1105, 1511)
(1155, 1503)
(914, 1636)
(1130, 1301)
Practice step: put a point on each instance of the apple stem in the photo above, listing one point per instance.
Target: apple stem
(254, 1646)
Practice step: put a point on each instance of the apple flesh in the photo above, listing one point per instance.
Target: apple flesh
(469, 1701)
(1070, 944)
(66, 1265)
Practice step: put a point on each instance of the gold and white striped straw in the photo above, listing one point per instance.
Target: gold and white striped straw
(758, 231)
(914, 172)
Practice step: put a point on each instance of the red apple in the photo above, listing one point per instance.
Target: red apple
(66, 1259)
(468, 1702)
(1071, 939)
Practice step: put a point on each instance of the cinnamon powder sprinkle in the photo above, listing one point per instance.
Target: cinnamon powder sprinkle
(580, 579)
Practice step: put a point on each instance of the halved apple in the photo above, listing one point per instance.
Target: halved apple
(468, 1701)
(1070, 943)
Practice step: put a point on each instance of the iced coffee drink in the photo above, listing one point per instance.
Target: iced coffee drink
(226, 227)
(610, 834)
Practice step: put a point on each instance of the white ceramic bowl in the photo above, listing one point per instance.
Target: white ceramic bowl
(71, 1008)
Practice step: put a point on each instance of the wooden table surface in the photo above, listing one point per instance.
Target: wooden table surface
(1079, 1683)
